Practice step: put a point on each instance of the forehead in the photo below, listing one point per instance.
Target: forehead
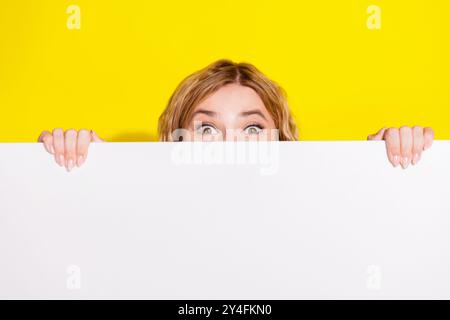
(232, 98)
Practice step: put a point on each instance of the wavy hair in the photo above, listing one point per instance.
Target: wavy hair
(198, 86)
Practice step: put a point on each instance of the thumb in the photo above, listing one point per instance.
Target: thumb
(95, 137)
(377, 136)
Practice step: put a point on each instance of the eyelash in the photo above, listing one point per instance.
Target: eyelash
(203, 125)
(254, 125)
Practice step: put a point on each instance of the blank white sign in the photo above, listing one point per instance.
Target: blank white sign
(190, 221)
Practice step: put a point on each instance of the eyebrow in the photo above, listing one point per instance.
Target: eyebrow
(242, 114)
(207, 112)
(252, 112)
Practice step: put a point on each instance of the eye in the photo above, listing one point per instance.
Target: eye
(207, 129)
(253, 129)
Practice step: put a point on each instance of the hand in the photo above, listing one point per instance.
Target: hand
(405, 145)
(70, 148)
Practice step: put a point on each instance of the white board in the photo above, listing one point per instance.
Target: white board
(308, 220)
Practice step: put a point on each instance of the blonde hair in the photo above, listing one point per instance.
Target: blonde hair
(198, 86)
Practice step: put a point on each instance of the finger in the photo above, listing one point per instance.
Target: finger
(95, 137)
(418, 144)
(70, 148)
(84, 139)
(377, 136)
(406, 145)
(47, 139)
(392, 138)
(428, 134)
(58, 145)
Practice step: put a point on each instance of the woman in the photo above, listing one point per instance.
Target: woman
(231, 101)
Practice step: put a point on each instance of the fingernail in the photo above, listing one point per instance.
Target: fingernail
(60, 160)
(69, 165)
(405, 162)
(80, 160)
(416, 159)
(396, 161)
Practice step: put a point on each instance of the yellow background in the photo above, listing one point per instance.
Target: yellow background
(116, 74)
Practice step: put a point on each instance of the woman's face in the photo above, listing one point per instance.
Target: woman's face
(233, 113)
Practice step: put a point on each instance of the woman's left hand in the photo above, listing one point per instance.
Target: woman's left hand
(405, 145)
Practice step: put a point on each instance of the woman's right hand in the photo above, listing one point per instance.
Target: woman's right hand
(70, 147)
